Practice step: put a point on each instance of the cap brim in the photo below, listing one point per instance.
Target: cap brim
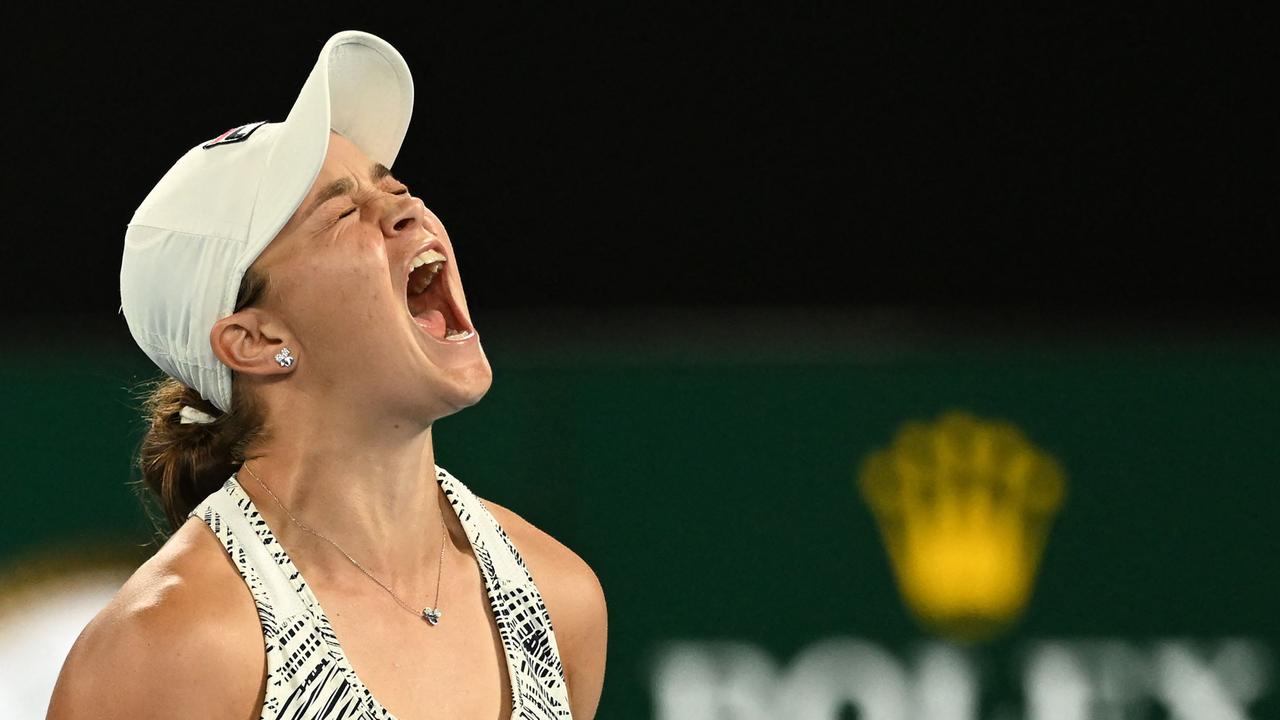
(361, 87)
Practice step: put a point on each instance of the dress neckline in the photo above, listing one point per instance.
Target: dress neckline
(448, 483)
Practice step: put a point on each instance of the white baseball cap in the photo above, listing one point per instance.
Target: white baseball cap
(191, 240)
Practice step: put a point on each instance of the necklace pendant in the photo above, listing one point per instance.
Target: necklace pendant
(431, 615)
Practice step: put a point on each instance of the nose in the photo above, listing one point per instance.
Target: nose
(402, 214)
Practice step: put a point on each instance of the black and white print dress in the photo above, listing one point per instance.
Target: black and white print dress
(308, 675)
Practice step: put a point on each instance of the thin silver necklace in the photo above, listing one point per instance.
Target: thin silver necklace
(430, 614)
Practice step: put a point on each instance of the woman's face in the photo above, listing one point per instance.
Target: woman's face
(342, 284)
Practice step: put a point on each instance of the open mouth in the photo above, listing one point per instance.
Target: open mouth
(430, 300)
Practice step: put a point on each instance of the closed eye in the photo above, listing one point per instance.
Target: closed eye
(403, 191)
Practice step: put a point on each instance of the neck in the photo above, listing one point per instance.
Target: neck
(368, 485)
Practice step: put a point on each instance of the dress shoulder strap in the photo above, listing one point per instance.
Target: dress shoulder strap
(500, 558)
(254, 551)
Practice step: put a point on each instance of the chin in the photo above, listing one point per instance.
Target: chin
(479, 384)
(468, 385)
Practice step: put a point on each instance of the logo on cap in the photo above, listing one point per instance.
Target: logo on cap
(234, 135)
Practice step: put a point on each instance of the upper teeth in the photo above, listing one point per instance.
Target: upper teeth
(428, 257)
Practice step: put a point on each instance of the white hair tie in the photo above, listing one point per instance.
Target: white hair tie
(192, 415)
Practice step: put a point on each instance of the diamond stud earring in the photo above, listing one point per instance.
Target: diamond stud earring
(284, 357)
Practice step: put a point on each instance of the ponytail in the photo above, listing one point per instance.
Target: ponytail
(182, 463)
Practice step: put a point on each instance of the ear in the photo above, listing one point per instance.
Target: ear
(247, 341)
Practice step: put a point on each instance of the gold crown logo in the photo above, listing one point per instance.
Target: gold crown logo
(964, 506)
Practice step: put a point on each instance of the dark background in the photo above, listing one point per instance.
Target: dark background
(718, 255)
(1078, 165)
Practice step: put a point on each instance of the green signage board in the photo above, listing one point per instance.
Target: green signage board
(1015, 532)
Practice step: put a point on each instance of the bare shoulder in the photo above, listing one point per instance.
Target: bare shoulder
(180, 638)
(575, 601)
(550, 561)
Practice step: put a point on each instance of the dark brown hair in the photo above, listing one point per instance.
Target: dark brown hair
(182, 463)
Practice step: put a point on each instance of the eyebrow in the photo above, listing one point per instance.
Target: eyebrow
(344, 186)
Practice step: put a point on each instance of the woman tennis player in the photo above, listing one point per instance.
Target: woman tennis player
(309, 315)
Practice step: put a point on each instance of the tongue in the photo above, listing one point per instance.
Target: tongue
(433, 322)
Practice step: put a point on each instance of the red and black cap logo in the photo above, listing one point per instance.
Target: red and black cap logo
(234, 135)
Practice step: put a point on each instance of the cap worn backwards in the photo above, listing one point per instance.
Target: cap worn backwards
(191, 240)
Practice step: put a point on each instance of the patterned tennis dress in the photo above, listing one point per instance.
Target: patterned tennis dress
(308, 675)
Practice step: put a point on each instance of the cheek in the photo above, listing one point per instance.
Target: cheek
(340, 291)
